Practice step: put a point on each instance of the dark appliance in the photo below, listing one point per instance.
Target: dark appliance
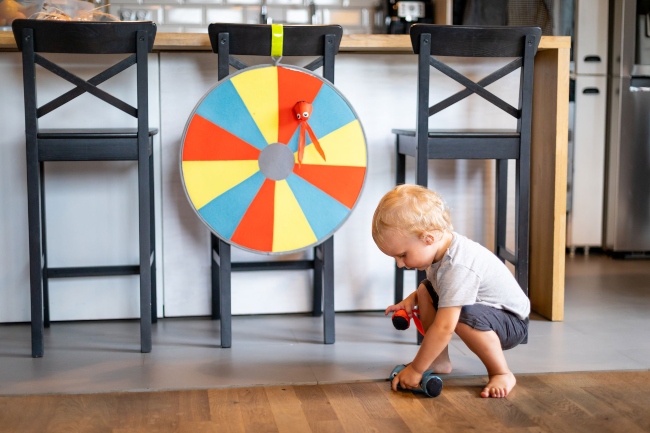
(401, 14)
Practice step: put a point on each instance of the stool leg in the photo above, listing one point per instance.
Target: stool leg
(35, 244)
(399, 285)
(328, 290)
(144, 201)
(33, 196)
(214, 267)
(522, 217)
(501, 214)
(317, 303)
(419, 276)
(400, 178)
(46, 288)
(522, 206)
(224, 281)
(152, 240)
(400, 164)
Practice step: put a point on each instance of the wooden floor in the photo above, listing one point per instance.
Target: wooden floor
(568, 402)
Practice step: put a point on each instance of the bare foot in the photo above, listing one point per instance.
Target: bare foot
(499, 385)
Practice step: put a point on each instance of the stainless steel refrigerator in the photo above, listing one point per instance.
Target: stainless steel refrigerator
(627, 211)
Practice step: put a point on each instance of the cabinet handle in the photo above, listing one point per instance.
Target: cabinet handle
(591, 90)
(592, 58)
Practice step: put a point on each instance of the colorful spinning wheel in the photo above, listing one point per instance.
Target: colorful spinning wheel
(241, 167)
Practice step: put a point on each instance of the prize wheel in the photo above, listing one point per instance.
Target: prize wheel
(273, 159)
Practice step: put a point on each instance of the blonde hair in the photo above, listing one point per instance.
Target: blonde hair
(410, 210)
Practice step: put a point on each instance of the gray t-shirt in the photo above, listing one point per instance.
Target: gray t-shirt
(471, 274)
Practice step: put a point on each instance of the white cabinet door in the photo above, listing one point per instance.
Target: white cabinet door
(589, 162)
(590, 49)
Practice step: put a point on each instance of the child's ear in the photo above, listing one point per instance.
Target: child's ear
(429, 238)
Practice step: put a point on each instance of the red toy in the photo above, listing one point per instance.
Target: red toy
(303, 110)
(402, 321)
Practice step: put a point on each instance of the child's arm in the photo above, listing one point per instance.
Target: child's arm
(436, 339)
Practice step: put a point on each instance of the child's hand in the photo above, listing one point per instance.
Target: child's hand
(407, 304)
(407, 378)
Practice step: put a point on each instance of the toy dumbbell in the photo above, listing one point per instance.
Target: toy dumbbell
(430, 385)
(402, 321)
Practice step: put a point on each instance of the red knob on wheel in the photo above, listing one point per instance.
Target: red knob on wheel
(401, 320)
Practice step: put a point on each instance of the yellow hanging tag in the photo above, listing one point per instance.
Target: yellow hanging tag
(277, 40)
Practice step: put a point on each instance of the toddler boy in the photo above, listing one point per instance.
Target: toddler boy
(468, 290)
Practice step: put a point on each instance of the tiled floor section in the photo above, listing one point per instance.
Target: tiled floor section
(607, 318)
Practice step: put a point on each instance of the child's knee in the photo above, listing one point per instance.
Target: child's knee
(494, 323)
(475, 338)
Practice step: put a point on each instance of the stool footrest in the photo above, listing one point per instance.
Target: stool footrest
(284, 265)
(86, 133)
(108, 149)
(92, 271)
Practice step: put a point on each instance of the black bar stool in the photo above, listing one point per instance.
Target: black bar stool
(135, 144)
(256, 40)
(519, 43)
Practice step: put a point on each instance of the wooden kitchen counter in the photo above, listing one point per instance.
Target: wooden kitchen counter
(350, 43)
(548, 152)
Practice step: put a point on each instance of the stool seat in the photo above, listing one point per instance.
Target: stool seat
(90, 144)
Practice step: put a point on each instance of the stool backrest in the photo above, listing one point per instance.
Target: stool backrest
(470, 41)
(256, 40)
(84, 37)
(430, 40)
(72, 37)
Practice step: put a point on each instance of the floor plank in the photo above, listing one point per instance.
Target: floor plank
(287, 409)
(317, 409)
(348, 409)
(225, 410)
(256, 411)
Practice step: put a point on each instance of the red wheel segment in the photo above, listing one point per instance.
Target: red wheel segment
(293, 86)
(256, 227)
(341, 182)
(216, 144)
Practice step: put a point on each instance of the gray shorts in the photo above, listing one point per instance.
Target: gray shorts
(510, 329)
